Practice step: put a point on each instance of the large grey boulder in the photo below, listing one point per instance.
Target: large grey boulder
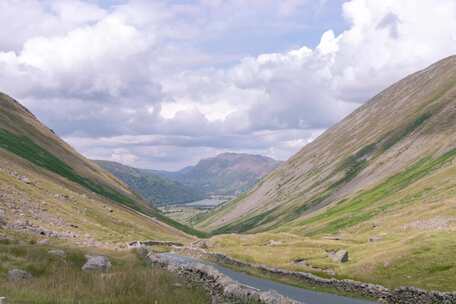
(15, 275)
(340, 256)
(96, 263)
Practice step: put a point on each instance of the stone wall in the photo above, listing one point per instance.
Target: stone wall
(403, 295)
(222, 288)
(137, 244)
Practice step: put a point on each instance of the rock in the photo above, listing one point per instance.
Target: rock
(25, 180)
(57, 252)
(135, 244)
(300, 261)
(2, 300)
(274, 243)
(142, 251)
(43, 242)
(340, 256)
(15, 275)
(201, 244)
(96, 263)
(373, 239)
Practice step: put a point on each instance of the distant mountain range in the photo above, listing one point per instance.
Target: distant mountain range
(224, 174)
(151, 186)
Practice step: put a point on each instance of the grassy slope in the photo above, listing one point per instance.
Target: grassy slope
(397, 187)
(89, 210)
(154, 188)
(410, 120)
(60, 280)
(50, 205)
(18, 125)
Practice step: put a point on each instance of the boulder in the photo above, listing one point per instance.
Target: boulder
(340, 256)
(43, 242)
(15, 275)
(57, 252)
(274, 243)
(373, 239)
(25, 180)
(300, 261)
(96, 263)
(201, 244)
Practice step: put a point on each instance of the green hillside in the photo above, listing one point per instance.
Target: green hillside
(152, 187)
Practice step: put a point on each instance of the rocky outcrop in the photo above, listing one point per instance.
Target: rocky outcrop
(96, 263)
(221, 287)
(340, 256)
(16, 275)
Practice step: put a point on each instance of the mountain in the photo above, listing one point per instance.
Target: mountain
(49, 188)
(224, 174)
(408, 129)
(379, 184)
(154, 188)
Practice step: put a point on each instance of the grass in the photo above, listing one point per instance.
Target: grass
(405, 255)
(248, 224)
(361, 207)
(27, 149)
(60, 280)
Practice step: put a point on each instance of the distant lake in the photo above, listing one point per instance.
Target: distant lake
(209, 202)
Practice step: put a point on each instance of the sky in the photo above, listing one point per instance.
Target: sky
(161, 84)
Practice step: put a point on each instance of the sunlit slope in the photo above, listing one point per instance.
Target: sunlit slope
(367, 165)
(28, 148)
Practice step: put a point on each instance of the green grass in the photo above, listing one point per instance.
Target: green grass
(25, 148)
(362, 207)
(248, 224)
(60, 280)
(430, 264)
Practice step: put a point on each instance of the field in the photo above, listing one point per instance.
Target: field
(61, 280)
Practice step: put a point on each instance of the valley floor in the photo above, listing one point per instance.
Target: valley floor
(419, 259)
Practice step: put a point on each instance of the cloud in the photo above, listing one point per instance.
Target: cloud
(164, 83)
